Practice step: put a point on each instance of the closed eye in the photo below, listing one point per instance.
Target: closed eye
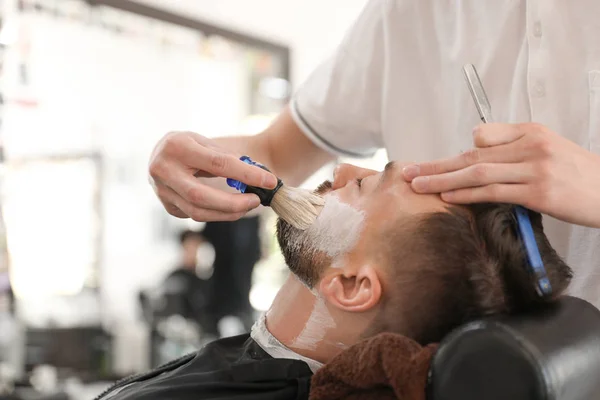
(359, 182)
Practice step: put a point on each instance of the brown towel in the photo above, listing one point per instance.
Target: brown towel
(386, 366)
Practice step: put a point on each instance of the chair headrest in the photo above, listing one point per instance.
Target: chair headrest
(551, 354)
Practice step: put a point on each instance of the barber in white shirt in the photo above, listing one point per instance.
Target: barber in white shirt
(395, 82)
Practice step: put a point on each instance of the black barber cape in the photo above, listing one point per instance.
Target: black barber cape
(230, 368)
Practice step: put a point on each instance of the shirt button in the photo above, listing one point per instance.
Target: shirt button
(537, 29)
(539, 89)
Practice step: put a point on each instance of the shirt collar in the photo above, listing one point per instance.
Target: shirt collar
(269, 343)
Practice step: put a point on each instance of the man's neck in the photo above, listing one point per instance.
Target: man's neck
(303, 323)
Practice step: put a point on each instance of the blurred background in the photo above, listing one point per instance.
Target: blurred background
(97, 281)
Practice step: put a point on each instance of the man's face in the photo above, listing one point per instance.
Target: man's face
(361, 205)
(384, 197)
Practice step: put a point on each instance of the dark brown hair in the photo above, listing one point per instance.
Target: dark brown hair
(453, 267)
(304, 262)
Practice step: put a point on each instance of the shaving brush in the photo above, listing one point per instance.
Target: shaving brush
(298, 207)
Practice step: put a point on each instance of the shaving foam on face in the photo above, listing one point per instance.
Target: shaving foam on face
(319, 322)
(335, 231)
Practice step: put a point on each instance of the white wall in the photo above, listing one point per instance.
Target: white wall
(311, 28)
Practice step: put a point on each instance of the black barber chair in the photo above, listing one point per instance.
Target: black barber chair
(553, 354)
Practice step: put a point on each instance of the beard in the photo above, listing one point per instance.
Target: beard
(298, 251)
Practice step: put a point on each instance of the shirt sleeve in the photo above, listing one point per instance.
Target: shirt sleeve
(339, 105)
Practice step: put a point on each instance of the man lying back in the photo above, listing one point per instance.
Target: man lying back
(379, 258)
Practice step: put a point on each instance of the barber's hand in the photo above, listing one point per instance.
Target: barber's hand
(525, 164)
(177, 162)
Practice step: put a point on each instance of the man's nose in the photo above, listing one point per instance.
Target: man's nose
(344, 173)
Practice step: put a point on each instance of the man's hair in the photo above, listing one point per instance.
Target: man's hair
(453, 267)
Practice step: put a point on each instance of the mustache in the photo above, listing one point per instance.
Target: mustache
(324, 187)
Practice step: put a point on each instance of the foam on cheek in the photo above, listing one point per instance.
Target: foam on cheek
(335, 232)
(337, 228)
(319, 322)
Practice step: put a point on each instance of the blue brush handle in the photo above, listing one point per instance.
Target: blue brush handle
(534, 258)
(265, 195)
(240, 186)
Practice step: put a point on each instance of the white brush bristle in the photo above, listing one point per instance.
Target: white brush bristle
(298, 207)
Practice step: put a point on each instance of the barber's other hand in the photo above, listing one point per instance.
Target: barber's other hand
(180, 158)
(525, 164)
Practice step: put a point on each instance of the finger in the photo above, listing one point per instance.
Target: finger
(216, 162)
(183, 209)
(203, 196)
(495, 134)
(346, 172)
(506, 153)
(173, 210)
(158, 188)
(473, 176)
(496, 193)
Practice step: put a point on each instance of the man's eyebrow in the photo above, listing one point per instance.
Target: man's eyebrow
(386, 172)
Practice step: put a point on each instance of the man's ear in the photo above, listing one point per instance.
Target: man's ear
(353, 291)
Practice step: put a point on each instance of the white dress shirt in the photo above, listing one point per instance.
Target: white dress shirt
(396, 82)
(273, 347)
